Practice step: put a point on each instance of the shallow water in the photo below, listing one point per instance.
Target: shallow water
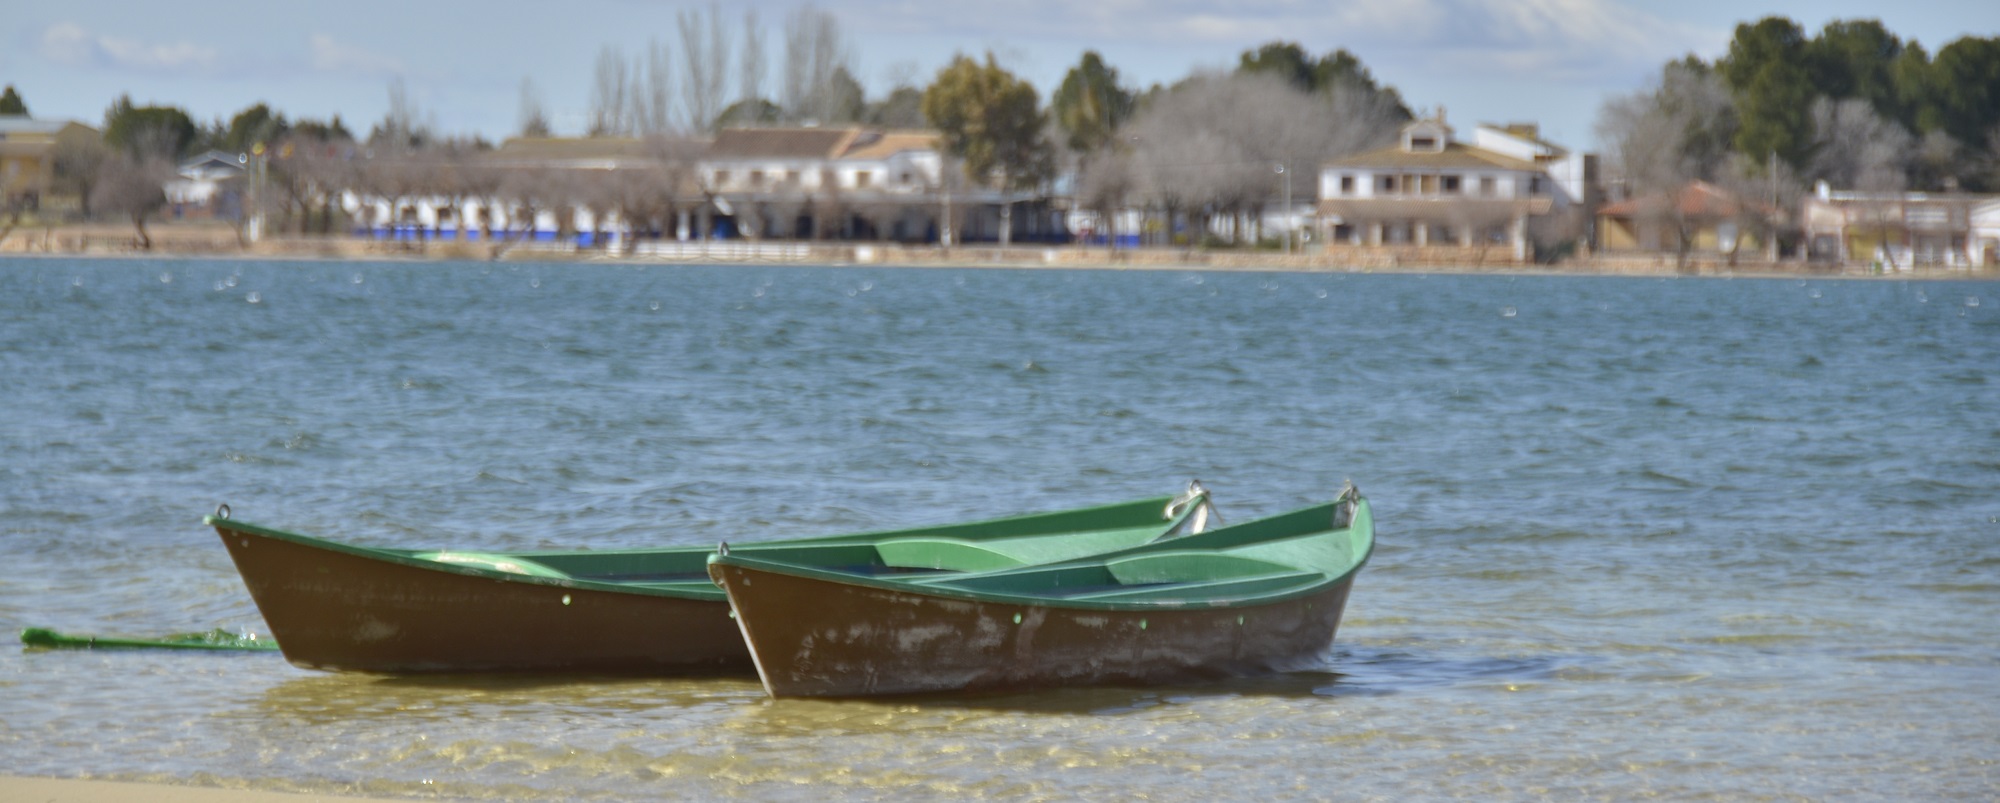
(1639, 537)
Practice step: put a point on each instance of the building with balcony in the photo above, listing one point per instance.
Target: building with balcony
(1431, 189)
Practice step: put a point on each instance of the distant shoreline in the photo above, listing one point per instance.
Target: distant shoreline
(216, 242)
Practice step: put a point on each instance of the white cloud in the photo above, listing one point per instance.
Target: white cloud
(328, 55)
(1547, 40)
(70, 44)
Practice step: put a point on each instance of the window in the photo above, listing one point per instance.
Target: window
(1450, 185)
(1536, 186)
(829, 179)
(1347, 185)
(1423, 143)
(1488, 187)
(1388, 184)
(792, 177)
(756, 178)
(721, 178)
(862, 178)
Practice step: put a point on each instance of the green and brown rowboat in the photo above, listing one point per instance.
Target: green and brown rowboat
(1257, 597)
(339, 606)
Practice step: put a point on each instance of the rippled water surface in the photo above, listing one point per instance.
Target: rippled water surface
(1639, 537)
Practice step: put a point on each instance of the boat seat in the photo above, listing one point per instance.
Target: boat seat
(1189, 566)
(702, 587)
(494, 562)
(1195, 592)
(947, 554)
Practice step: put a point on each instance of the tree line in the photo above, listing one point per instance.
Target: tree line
(1207, 145)
(1854, 106)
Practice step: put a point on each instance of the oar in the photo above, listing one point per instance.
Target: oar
(217, 639)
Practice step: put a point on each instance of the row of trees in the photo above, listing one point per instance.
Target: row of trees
(661, 91)
(1208, 145)
(1854, 106)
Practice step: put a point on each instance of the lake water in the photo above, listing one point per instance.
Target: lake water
(1699, 538)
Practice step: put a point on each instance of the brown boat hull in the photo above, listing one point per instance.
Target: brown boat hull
(331, 610)
(813, 637)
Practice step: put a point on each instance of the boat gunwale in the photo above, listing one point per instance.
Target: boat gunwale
(400, 558)
(706, 592)
(1363, 513)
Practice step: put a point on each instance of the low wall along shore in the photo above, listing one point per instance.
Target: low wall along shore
(222, 241)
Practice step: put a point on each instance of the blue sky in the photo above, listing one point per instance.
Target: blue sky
(1546, 61)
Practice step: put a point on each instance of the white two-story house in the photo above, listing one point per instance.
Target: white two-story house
(1430, 189)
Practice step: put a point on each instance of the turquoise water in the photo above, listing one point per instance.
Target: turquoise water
(1639, 537)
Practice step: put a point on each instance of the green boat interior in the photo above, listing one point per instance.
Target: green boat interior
(1271, 556)
(942, 550)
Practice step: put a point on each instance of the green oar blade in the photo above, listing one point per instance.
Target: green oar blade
(217, 639)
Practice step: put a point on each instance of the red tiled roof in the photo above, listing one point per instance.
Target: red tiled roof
(1697, 199)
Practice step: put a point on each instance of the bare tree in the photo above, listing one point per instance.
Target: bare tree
(132, 185)
(1759, 198)
(402, 127)
(1104, 185)
(1211, 144)
(1661, 139)
(1853, 146)
(80, 159)
(523, 190)
(534, 119)
(816, 54)
(609, 103)
(750, 86)
(705, 51)
(654, 103)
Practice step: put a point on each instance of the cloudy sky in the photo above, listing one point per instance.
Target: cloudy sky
(1548, 61)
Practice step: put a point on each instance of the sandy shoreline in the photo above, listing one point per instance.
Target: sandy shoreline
(24, 789)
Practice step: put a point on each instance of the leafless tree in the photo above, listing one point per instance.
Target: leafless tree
(403, 127)
(132, 185)
(676, 158)
(1472, 220)
(815, 52)
(1660, 139)
(654, 102)
(1855, 148)
(1760, 194)
(609, 95)
(534, 119)
(1105, 182)
(750, 85)
(523, 190)
(1211, 145)
(705, 51)
(1942, 163)
(80, 159)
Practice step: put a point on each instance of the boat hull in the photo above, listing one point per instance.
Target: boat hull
(814, 637)
(331, 610)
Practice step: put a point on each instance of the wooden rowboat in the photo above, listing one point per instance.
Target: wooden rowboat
(339, 606)
(1257, 597)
